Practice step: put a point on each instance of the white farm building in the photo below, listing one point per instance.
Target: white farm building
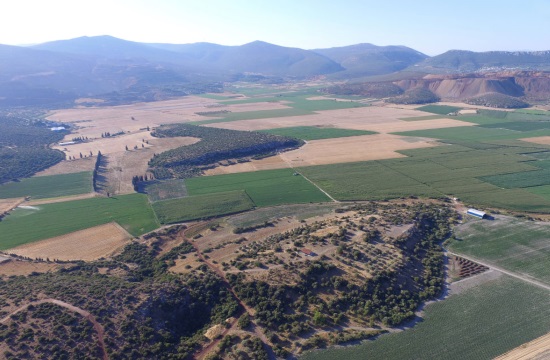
(477, 213)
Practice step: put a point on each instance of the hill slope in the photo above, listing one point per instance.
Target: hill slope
(368, 59)
(469, 61)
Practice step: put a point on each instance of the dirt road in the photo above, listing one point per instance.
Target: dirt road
(85, 314)
(246, 308)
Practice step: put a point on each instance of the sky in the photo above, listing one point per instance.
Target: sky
(429, 26)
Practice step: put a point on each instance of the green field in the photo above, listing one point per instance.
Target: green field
(25, 225)
(440, 171)
(42, 187)
(316, 133)
(202, 206)
(164, 190)
(479, 323)
(265, 188)
(366, 181)
(297, 102)
(514, 244)
(439, 109)
(520, 179)
(251, 115)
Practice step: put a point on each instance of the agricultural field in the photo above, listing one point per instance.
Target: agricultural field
(477, 323)
(164, 190)
(202, 206)
(265, 188)
(89, 244)
(49, 186)
(7, 204)
(514, 244)
(316, 133)
(32, 223)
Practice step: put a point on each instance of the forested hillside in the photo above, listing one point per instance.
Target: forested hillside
(24, 141)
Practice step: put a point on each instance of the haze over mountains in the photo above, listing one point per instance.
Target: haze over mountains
(130, 71)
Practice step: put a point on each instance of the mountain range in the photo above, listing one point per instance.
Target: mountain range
(121, 70)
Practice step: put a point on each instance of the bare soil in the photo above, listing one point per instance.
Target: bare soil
(89, 244)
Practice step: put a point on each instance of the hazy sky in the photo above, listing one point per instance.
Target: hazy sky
(430, 26)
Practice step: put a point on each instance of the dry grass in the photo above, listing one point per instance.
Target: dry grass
(69, 167)
(536, 349)
(89, 244)
(7, 205)
(374, 118)
(123, 165)
(61, 199)
(93, 121)
(333, 151)
(17, 267)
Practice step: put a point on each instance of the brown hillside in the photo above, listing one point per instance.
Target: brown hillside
(528, 84)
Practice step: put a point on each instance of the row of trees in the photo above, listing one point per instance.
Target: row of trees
(98, 160)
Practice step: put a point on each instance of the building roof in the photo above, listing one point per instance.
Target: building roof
(306, 251)
(476, 212)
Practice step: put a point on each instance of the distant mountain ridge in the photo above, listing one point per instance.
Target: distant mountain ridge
(132, 71)
(368, 59)
(464, 61)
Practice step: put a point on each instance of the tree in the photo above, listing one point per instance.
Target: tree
(244, 321)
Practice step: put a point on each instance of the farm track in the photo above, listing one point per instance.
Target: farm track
(246, 308)
(318, 187)
(85, 314)
(510, 273)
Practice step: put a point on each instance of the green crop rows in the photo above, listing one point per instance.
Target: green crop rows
(265, 188)
(479, 323)
(49, 186)
(514, 244)
(316, 133)
(202, 206)
(24, 225)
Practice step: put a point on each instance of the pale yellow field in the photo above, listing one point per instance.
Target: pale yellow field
(69, 167)
(123, 165)
(543, 140)
(333, 151)
(9, 204)
(374, 118)
(536, 349)
(61, 199)
(89, 244)
(93, 121)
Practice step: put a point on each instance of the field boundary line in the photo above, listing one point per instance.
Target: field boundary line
(317, 186)
(507, 272)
